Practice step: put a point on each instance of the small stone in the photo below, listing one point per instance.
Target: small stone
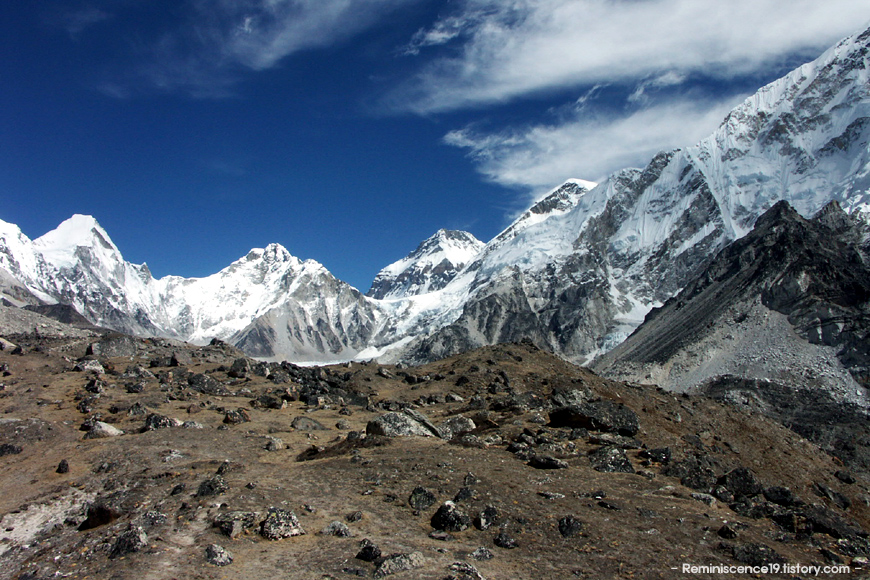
(337, 529)
(569, 526)
(705, 498)
(547, 462)
(234, 523)
(63, 466)
(368, 551)
(218, 555)
(503, 540)
(307, 424)
(214, 486)
(464, 571)
(274, 444)
(486, 518)
(10, 449)
(354, 516)
(132, 540)
(421, 498)
(727, 532)
(481, 554)
(236, 417)
(441, 536)
(845, 476)
(463, 494)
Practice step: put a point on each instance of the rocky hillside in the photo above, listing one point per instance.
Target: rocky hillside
(788, 303)
(132, 457)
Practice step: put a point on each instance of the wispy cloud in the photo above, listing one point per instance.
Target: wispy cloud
(585, 146)
(75, 21)
(510, 48)
(213, 42)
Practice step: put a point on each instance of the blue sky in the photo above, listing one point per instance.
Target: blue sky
(351, 130)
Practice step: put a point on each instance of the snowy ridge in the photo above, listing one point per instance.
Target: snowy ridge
(430, 267)
(576, 273)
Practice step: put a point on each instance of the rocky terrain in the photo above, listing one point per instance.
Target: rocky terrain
(148, 458)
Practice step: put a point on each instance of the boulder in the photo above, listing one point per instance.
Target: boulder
(280, 523)
(114, 345)
(218, 555)
(100, 430)
(450, 518)
(604, 416)
(396, 425)
(610, 459)
(454, 426)
(399, 563)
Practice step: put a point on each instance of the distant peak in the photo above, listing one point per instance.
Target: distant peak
(78, 230)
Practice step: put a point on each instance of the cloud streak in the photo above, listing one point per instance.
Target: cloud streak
(215, 42)
(511, 48)
(589, 147)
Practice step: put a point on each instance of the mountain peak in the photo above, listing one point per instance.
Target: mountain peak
(430, 267)
(59, 245)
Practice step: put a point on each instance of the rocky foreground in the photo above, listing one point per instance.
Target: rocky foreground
(127, 458)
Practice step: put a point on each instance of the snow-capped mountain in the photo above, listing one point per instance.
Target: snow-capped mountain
(430, 267)
(615, 251)
(78, 264)
(577, 272)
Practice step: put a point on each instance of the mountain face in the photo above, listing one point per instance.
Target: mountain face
(430, 267)
(788, 303)
(576, 273)
(640, 236)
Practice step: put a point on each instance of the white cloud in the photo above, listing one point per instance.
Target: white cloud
(542, 156)
(512, 48)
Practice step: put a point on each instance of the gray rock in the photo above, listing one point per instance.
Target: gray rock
(399, 563)
(421, 498)
(482, 553)
(396, 425)
(155, 421)
(132, 540)
(114, 345)
(456, 425)
(207, 385)
(214, 486)
(336, 528)
(307, 424)
(610, 459)
(100, 430)
(464, 571)
(218, 555)
(486, 518)
(235, 523)
(274, 444)
(280, 524)
(504, 540)
(89, 366)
